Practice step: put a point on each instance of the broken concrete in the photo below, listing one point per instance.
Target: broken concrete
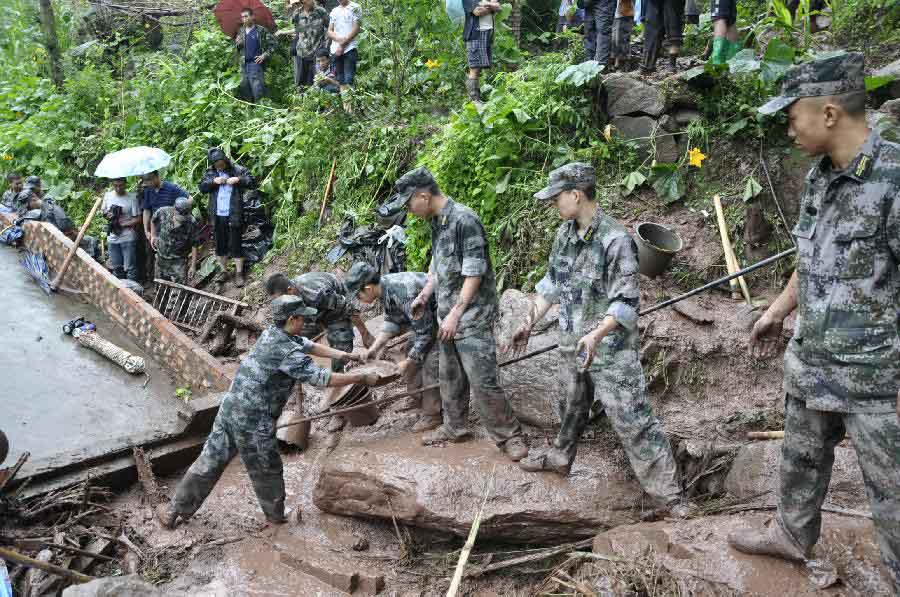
(442, 488)
(698, 550)
(755, 472)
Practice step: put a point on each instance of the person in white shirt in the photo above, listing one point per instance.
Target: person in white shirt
(343, 28)
(123, 212)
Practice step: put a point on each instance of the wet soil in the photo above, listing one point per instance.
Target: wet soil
(58, 396)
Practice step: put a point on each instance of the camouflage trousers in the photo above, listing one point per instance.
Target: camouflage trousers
(470, 363)
(616, 380)
(255, 442)
(339, 335)
(173, 269)
(426, 374)
(807, 456)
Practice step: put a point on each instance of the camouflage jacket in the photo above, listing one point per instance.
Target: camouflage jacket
(310, 30)
(845, 353)
(8, 198)
(56, 215)
(326, 293)
(176, 232)
(397, 293)
(265, 378)
(459, 250)
(592, 277)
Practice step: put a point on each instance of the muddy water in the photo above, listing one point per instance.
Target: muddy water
(57, 396)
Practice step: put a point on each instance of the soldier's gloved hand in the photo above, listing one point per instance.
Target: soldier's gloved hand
(764, 336)
(519, 341)
(586, 349)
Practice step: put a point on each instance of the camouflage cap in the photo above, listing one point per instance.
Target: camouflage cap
(360, 274)
(832, 75)
(289, 305)
(183, 205)
(409, 183)
(576, 175)
(33, 182)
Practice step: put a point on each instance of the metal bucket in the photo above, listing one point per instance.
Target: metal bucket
(354, 395)
(296, 435)
(656, 247)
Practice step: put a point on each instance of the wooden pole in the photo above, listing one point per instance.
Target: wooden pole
(470, 541)
(730, 258)
(329, 187)
(65, 265)
(17, 558)
(765, 435)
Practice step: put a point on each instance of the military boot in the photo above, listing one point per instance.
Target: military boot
(426, 423)
(516, 448)
(773, 541)
(442, 435)
(553, 460)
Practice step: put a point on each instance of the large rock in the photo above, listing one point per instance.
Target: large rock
(115, 586)
(647, 132)
(890, 70)
(626, 95)
(697, 552)
(755, 471)
(443, 488)
(532, 385)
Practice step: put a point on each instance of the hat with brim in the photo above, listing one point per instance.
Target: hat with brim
(288, 306)
(360, 274)
(552, 190)
(776, 104)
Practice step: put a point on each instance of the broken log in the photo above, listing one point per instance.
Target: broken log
(146, 477)
(244, 323)
(17, 558)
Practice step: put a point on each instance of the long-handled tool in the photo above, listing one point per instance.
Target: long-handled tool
(534, 353)
(54, 285)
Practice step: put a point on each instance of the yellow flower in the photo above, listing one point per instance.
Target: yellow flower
(430, 64)
(696, 157)
(7, 157)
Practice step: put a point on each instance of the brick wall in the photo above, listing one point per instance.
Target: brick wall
(187, 361)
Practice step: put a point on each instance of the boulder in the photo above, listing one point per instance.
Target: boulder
(641, 130)
(685, 116)
(627, 95)
(697, 552)
(442, 488)
(891, 108)
(755, 471)
(532, 385)
(115, 586)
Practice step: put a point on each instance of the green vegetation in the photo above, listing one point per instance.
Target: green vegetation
(540, 112)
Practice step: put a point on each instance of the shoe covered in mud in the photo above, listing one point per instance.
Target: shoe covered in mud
(551, 460)
(166, 515)
(442, 435)
(515, 448)
(240, 279)
(336, 424)
(773, 541)
(427, 423)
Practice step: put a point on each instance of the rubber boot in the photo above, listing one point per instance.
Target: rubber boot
(719, 51)
(733, 48)
(673, 63)
(474, 89)
(773, 541)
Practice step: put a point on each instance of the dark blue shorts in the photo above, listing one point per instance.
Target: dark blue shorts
(345, 67)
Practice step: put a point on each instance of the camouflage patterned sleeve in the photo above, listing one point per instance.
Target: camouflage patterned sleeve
(298, 365)
(547, 287)
(393, 324)
(423, 339)
(893, 223)
(622, 280)
(474, 247)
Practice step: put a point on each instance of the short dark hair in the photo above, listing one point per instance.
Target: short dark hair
(853, 102)
(278, 284)
(589, 191)
(247, 11)
(322, 53)
(374, 280)
(13, 176)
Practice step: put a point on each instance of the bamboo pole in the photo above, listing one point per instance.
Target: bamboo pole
(730, 257)
(65, 265)
(470, 541)
(17, 558)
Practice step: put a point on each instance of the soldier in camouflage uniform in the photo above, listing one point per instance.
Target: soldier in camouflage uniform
(326, 293)
(246, 420)
(396, 293)
(173, 232)
(593, 276)
(842, 367)
(462, 279)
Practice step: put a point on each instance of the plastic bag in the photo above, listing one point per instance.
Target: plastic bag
(258, 229)
(455, 11)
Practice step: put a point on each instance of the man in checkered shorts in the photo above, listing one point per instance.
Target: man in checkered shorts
(478, 34)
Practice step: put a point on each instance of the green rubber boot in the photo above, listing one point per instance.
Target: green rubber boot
(719, 51)
(733, 48)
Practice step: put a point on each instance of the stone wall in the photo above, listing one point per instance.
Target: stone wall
(188, 362)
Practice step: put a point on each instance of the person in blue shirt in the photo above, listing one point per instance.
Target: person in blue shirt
(255, 45)
(156, 193)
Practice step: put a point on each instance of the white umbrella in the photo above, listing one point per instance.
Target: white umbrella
(133, 161)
